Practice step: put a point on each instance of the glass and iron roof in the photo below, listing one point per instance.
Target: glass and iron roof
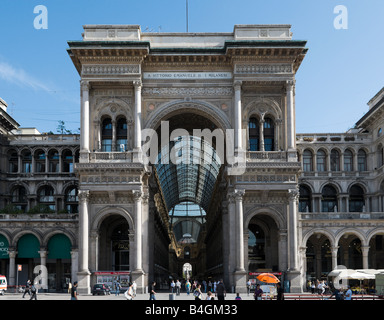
(186, 220)
(187, 170)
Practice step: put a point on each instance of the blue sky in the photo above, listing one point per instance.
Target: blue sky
(342, 71)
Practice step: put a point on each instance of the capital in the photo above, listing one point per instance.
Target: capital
(237, 84)
(83, 195)
(239, 194)
(290, 84)
(293, 194)
(137, 194)
(137, 84)
(84, 85)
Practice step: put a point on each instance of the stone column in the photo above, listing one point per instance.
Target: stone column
(365, 252)
(292, 228)
(240, 275)
(226, 242)
(334, 251)
(43, 262)
(239, 193)
(12, 267)
(261, 133)
(137, 144)
(114, 147)
(294, 273)
(74, 265)
(83, 274)
(230, 233)
(278, 123)
(84, 122)
(283, 249)
(238, 135)
(138, 273)
(290, 115)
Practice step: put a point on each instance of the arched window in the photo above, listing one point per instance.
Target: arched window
(106, 135)
(253, 128)
(335, 160)
(269, 134)
(53, 157)
(46, 197)
(305, 199)
(348, 160)
(26, 157)
(356, 199)
(67, 161)
(40, 161)
(121, 134)
(362, 160)
(72, 200)
(329, 199)
(19, 198)
(321, 161)
(13, 161)
(379, 156)
(307, 161)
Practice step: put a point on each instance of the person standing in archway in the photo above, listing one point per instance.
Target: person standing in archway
(220, 290)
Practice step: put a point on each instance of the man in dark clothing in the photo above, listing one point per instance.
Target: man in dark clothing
(220, 290)
(74, 291)
(280, 292)
(34, 292)
(152, 293)
(27, 288)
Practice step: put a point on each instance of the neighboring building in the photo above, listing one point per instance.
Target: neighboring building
(89, 209)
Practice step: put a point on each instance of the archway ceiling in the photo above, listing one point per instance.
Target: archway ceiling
(187, 170)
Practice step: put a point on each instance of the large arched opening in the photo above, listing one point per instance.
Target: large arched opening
(187, 171)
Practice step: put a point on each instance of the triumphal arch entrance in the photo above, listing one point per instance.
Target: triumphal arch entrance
(188, 163)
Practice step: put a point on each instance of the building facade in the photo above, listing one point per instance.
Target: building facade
(230, 188)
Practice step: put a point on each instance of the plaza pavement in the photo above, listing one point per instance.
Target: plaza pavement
(162, 296)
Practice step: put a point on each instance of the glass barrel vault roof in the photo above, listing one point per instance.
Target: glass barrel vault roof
(187, 170)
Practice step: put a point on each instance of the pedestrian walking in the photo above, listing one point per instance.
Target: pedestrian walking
(152, 292)
(280, 292)
(173, 286)
(197, 293)
(74, 291)
(69, 287)
(248, 287)
(129, 295)
(348, 294)
(188, 287)
(178, 287)
(220, 290)
(33, 292)
(117, 287)
(313, 287)
(27, 288)
(258, 295)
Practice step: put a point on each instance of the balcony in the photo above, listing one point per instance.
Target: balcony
(39, 217)
(267, 156)
(341, 215)
(96, 157)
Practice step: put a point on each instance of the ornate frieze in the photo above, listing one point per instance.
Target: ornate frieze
(110, 69)
(218, 91)
(266, 178)
(263, 68)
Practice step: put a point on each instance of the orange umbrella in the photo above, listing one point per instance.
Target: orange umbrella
(268, 278)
